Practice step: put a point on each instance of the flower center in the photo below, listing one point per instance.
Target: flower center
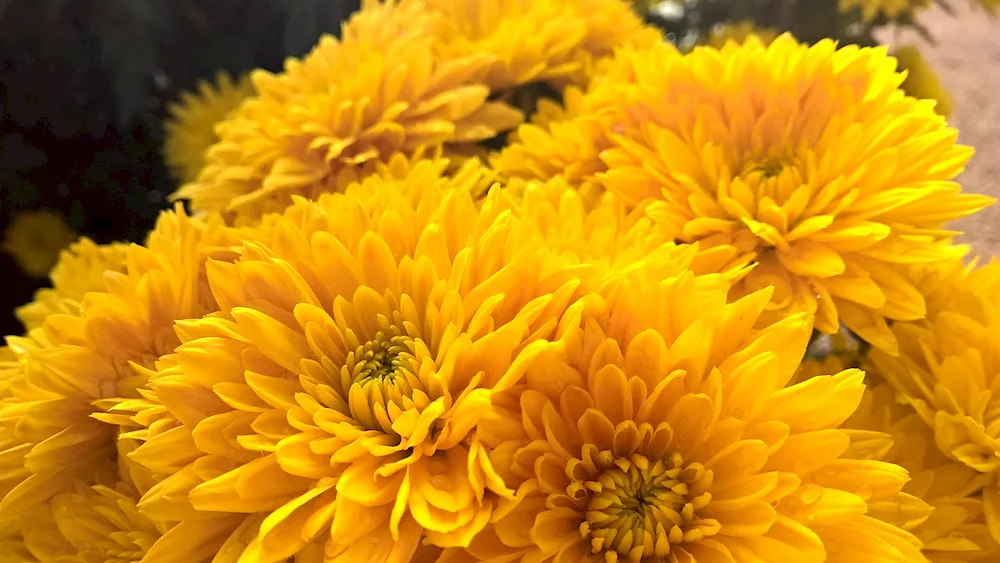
(382, 360)
(384, 379)
(639, 509)
(769, 168)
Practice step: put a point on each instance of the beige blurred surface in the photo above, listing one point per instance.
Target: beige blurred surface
(967, 57)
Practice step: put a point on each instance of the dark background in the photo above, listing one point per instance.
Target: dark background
(84, 86)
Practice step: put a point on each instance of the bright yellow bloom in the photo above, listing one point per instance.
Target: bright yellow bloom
(942, 504)
(870, 9)
(99, 522)
(562, 140)
(80, 270)
(557, 41)
(808, 159)
(921, 80)
(34, 239)
(359, 341)
(383, 88)
(605, 233)
(948, 370)
(190, 128)
(739, 32)
(656, 428)
(956, 528)
(65, 373)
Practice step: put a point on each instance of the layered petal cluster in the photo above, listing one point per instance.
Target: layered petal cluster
(385, 87)
(657, 428)
(190, 127)
(807, 158)
(557, 41)
(60, 378)
(560, 140)
(955, 529)
(34, 239)
(332, 404)
(948, 371)
(98, 522)
(942, 504)
(80, 270)
(602, 231)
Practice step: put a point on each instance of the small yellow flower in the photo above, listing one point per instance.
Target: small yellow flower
(190, 128)
(739, 32)
(80, 270)
(921, 80)
(870, 9)
(35, 238)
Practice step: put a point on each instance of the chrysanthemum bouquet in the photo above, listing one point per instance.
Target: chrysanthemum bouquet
(518, 280)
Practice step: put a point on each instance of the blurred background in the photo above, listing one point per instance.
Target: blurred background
(85, 86)
(84, 89)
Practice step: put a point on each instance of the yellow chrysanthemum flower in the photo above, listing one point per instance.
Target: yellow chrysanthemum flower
(871, 9)
(561, 140)
(809, 159)
(383, 88)
(65, 373)
(739, 32)
(656, 427)
(942, 504)
(99, 522)
(949, 368)
(34, 239)
(605, 233)
(955, 530)
(359, 341)
(921, 80)
(80, 270)
(190, 128)
(558, 41)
